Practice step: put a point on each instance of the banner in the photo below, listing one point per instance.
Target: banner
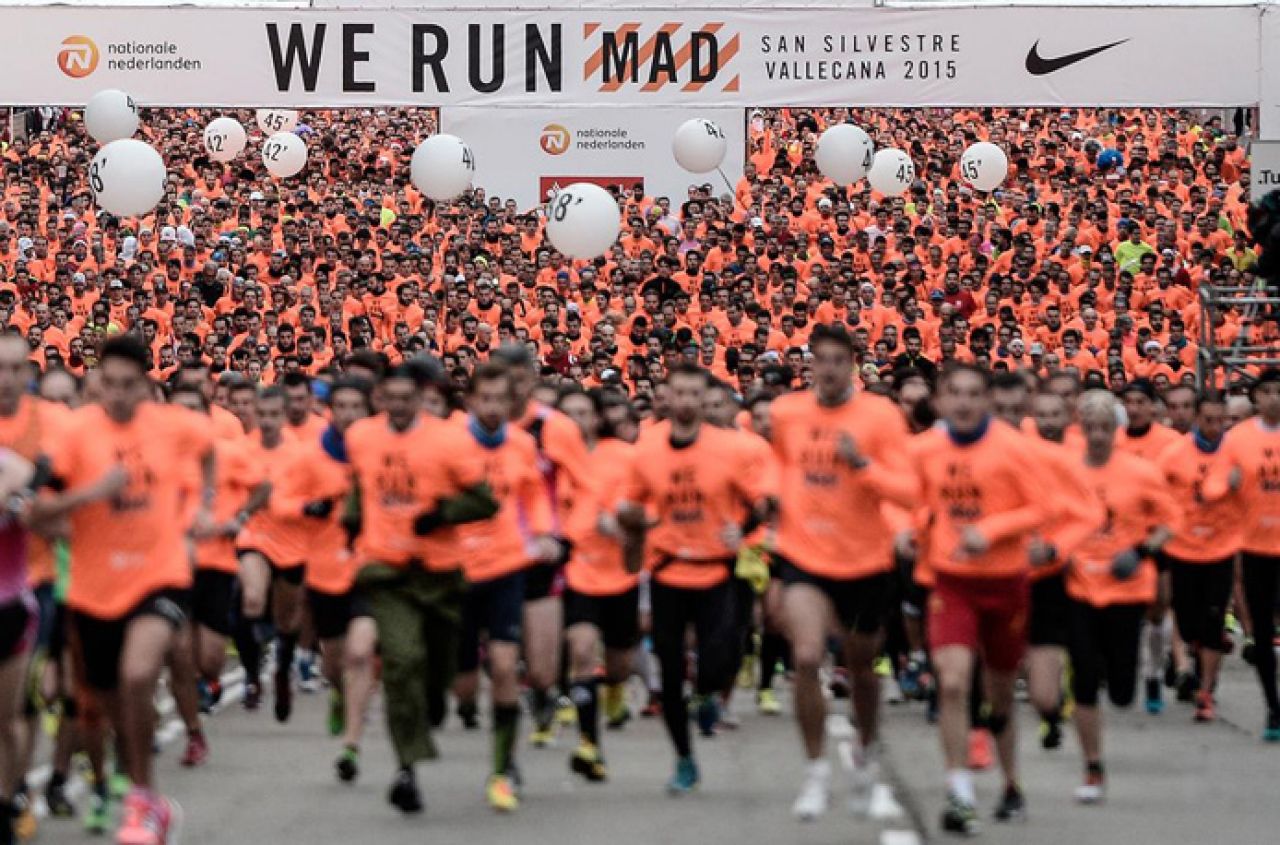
(1264, 168)
(1269, 104)
(524, 153)
(678, 57)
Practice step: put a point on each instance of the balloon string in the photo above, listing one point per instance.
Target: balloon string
(732, 192)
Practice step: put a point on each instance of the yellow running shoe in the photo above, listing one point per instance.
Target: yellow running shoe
(502, 794)
(616, 711)
(883, 667)
(588, 762)
(543, 737)
(767, 703)
(566, 713)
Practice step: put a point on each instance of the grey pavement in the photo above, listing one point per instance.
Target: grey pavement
(1171, 781)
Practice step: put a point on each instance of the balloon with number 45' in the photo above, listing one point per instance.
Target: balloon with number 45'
(984, 166)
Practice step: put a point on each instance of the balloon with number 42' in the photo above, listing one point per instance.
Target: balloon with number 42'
(284, 154)
(224, 139)
(699, 145)
(442, 167)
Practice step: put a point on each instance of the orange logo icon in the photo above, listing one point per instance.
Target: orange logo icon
(78, 57)
(554, 140)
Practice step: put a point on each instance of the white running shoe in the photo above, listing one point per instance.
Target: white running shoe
(863, 779)
(815, 794)
(1091, 792)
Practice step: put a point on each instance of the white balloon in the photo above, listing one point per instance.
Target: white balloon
(583, 220)
(984, 166)
(844, 153)
(110, 115)
(127, 178)
(699, 145)
(224, 139)
(442, 167)
(891, 172)
(284, 154)
(272, 121)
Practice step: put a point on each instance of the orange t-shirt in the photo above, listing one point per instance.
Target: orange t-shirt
(236, 475)
(312, 475)
(496, 547)
(130, 545)
(1255, 449)
(403, 474)
(596, 567)
(280, 537)
(1136, 499)
(1209, 531)
(29, 432)
(1149, 446)
(831, 521)
(989, 484)
(696, 491)
(561, 458)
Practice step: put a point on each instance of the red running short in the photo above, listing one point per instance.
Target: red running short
(987, 615)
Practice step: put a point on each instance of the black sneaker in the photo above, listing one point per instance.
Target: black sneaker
(1188, 686)
(284, 696)
(1050, 735)
(404, 794)
(347, 765)
(1012, 806)
(252, 695)
(469, 714)
(960, 817)
(55, 796)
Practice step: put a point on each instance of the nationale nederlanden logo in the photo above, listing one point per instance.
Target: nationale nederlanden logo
(78, 57)
(554, 140)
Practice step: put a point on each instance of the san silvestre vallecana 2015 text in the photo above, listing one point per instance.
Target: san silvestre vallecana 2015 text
(869, 56)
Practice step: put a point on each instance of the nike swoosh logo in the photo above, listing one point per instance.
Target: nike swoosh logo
(1038, 65)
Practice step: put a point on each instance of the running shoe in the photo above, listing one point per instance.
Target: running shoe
(1093, 790)
(347, 765)
(767, 703)
(1012, 806)
(685, 777)
(566, 713)
(404, 794)
(25, 824)
(707, 714)
(1271, 733)
(863, 779)
(542, 736)
(469, 715)
(1050, 735)
(309, 680)
(839, 683)
(980, 757)
(252, 695)
(145, 819)
(909, 680)
(210, 693)
(959, 816)
(55, 798)
(1188, 685)
(747, 671)
(119, 784)
(654, 708)
(883, 667)
(815, 792)
(337, 713)
(1205, 711)
(97, 814)
(1249, 651)
(501, 793)
(1155, 699)
(284, 695)
(616, 711)
(588, 762)
(727, 719)
(197, 753)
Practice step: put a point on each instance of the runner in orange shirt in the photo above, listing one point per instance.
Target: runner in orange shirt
(121, 465)
(1112, 578)
(272, 549)
(317, 484)
(498, 554)
(841, 456)
(416, 477)
(1251, 465)
(704, 493)
(601, 596)
(1202, 553)
(1147, 438)
(981, 506)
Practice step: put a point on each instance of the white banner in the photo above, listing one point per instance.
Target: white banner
(524, 153)
(1269, 87)
(858, 56)
(1264, 168)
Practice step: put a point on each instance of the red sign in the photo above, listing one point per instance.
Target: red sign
(548, 185)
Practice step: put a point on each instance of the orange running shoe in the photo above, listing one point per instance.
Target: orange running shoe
(980, 756)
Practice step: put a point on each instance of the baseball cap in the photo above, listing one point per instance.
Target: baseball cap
(115, 283)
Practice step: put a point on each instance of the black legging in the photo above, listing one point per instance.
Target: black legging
(1105, 646)
(711, 612)
(1261, 579)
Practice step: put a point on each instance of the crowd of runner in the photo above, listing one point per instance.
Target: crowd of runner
(770, 428)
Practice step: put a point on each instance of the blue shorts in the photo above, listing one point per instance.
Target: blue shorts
(496, 607)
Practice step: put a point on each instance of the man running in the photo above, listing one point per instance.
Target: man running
(415, 478)
(840, 456)
(700, 485)
(601, 598)
(981, 507)
(120, 467)
(1112, 579)
(1202, 553)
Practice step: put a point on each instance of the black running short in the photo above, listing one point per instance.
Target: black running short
(543, 581)
(1201, 594)
(19, 620)
(495, 606)
(101, 641)
(331, 614)
(213, 600)
(861, 604)
(617, 617)
(292, 575)
(1050, 623)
